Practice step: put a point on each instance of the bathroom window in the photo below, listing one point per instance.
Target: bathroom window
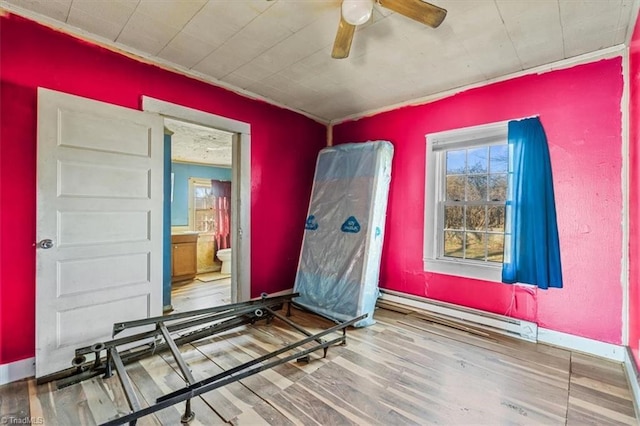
(467, 180)
(201, 206)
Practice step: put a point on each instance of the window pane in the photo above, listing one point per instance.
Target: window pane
(498, 187)
(499, 158)
(477, 188)
(495, 247)
(455, 162)
(453, 244)
(453, 217)
(475, 245)
(203, 217)
(477, 160)
(200, 191)
(204, 221)
(476, 218)
(455, 188)
(201, 203)
(495, 218)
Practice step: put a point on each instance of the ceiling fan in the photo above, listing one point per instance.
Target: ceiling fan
(357, 12)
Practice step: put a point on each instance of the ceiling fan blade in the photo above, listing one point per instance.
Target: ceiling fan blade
(417, 10)
(344, 37)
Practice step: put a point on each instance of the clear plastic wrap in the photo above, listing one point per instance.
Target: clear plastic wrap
(339, 263)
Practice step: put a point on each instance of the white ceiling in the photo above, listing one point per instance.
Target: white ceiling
(280, 49)
(192, 143)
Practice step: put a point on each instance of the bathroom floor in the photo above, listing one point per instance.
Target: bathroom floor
(199, 294)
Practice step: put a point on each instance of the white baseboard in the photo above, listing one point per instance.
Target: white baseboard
(582, 344)
(525, 330)
(631, 368)
(17, 370)
(510, 326)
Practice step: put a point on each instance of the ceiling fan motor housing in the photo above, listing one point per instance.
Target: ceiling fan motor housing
(357, 12)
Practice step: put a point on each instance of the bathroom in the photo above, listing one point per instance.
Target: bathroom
(200, 211)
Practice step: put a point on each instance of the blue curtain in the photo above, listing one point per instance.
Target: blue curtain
(533, 256)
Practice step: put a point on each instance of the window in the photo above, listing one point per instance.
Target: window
(201, 212)
(466, 201)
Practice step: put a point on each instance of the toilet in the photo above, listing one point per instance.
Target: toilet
(225, 256)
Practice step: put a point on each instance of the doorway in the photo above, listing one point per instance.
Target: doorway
(240, 237)
(200, 208)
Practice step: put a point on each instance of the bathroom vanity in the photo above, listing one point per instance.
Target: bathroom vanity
(184, 256)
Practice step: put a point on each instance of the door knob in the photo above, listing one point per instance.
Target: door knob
(45, 244)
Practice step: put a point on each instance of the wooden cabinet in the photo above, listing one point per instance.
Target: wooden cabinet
(184, 257)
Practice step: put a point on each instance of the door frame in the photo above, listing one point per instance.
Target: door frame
(240, 185)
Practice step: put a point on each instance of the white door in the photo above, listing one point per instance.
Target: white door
(99, 203)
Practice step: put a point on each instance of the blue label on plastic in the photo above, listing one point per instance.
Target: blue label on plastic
(351, 225)
(311, 223)
(378, 232)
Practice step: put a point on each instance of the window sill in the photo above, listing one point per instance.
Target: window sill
(464, 269)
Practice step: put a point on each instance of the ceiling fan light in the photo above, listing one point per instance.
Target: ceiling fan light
(357, 12)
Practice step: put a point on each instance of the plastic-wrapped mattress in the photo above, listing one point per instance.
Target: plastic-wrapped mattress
(339, 263)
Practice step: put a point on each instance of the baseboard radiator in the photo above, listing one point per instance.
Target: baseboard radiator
(455, 314)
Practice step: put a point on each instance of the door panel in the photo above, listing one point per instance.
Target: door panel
(131, 269)
(88, 180)
(72, 322)
(104, 227)
(100, 202)
(109, 134)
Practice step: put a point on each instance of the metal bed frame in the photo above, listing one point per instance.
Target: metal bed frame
(212, 321)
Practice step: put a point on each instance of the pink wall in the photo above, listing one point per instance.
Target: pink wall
(284, 146)
(634, 194)
(580, 110)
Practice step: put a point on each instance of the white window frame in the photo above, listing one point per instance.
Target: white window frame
(436, 145)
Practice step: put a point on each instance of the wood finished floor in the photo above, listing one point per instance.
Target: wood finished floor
(198, 294)
(403, 370)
